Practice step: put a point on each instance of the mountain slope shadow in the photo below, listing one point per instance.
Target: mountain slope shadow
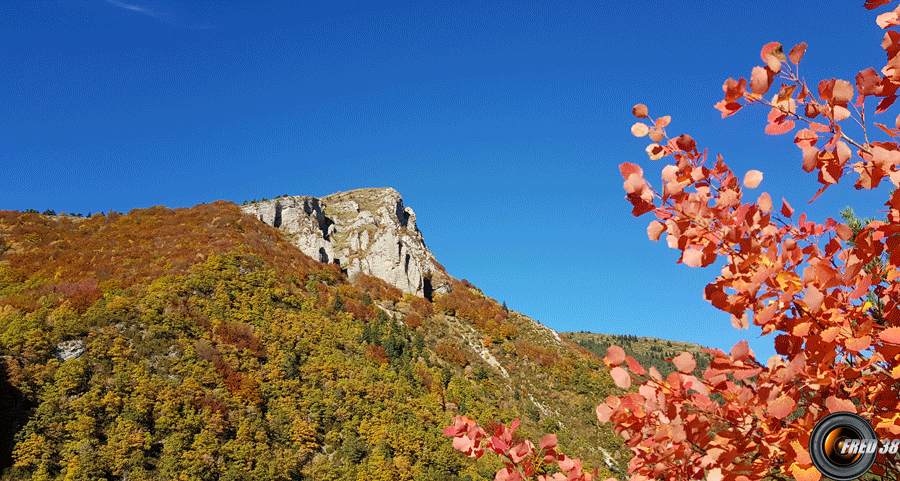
(14, 408)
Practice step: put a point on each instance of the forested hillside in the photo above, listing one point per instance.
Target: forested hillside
(200, 344)
(648, 351)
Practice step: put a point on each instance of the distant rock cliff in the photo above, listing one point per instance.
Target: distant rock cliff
(364, 231)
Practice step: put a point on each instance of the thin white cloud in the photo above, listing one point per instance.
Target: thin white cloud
(161, 16)
(133, 8)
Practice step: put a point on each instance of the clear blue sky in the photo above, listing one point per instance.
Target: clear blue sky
(501, 123)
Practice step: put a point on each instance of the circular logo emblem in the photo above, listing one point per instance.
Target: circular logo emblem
(843, 446)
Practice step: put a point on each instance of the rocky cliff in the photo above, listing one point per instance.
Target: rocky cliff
(366, 231)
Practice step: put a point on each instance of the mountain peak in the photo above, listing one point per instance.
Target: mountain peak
(365, 231)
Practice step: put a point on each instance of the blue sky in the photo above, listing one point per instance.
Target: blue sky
(501, 123)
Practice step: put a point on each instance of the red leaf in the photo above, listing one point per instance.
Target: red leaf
(842, 91)
(797, 52)
(890, 335)
(548, 442)
(868, 81)
(885, 103)
(819, 192)
(765, 202)
(806, 138)
(639, 111)
(521, 451)
(628, 168)
(734, 89)
(635, 366)
(692, 257)
(773, 54)
(727, 108)
(786, 209)
(786, 92)
(752, 179)
(620, 377)
(819, 127)
(760, 81)
(887, 19)
(655, 229)
(857, 344)
(781, 407)
(873, 4)
(685, 362)
(740, 351)
(813, 300)
(685, 143)
(615, 355)
(604, 413)
(780, 127)
(835, 404)
(662, 122)
(844, 232)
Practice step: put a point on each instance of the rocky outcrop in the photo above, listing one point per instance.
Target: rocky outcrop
(366, 231)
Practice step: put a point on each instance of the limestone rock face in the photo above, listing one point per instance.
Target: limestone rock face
(366, 231)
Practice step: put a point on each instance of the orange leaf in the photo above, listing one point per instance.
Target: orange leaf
(615, 355)
(548, 442)
(844, 232)
(604, 413)
(760, 81)
(639, 129)
(740, 351)
(858, 343)
(813, 300)
(635, 366)
(765, 202)
(781, 407)
(692, 257)
(620, 377)
(868, 81)
(819, 127)
(639, 111)
(627, 168)
(780, 127)
(655, 229)
(685, 362)
(797, 52)
(752, 179)
(786, 209)
(663, 121)
(890, 335)
(835, 404)
(655, 151)
(805, 474)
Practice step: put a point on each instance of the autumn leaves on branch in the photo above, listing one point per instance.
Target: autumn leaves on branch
(805, 282)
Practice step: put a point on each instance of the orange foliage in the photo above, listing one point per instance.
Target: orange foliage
(240, 335)
(465, 301)
(422, 306)
(377, 288)
(377, 354)
(142, 245)
(413, 320)
(451, 353)
(544, 357)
